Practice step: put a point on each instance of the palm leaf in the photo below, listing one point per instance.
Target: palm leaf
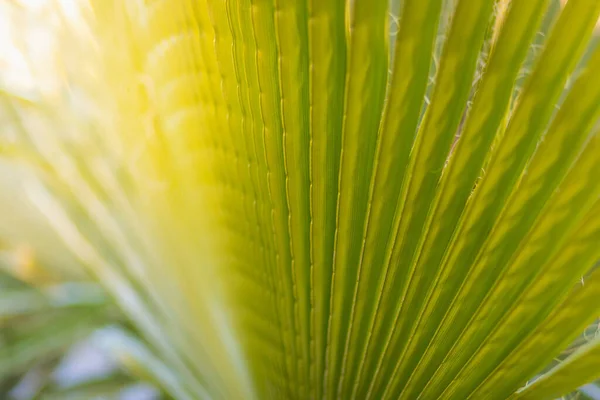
(315, 199)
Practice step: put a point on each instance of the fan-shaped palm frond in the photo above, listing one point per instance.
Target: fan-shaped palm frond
(331, 199)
